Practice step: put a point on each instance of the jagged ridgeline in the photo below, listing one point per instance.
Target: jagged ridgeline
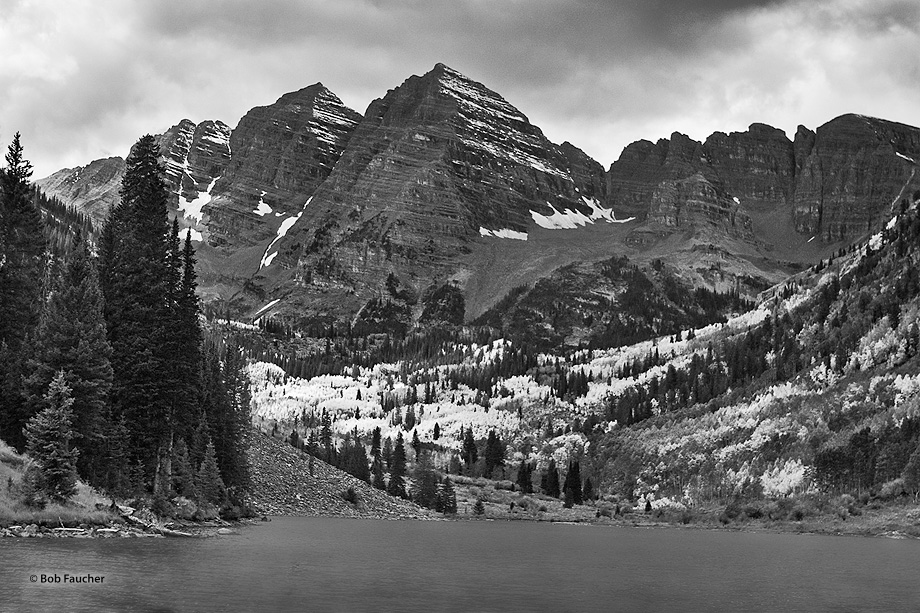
(442, 197)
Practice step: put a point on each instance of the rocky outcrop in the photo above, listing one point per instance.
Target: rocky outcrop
(632, 179)
(282, 484)
(674, 184)
(757, 166)
(839, 182)
(852, 171)
(586, 171)
(696, 201)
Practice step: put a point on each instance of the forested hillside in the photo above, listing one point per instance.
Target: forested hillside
(813, 395)
(818, 392)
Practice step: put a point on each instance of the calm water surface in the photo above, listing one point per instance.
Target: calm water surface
(323, 564)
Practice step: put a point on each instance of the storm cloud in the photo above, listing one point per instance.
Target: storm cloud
(84, 79)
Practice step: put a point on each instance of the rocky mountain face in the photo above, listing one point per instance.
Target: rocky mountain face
(851, 172)
(192, 156)
(443, 192)
(434, 165)
(92, 188)
(837, 183)
(281, 154)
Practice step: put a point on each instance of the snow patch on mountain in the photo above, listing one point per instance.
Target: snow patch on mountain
(569, 219)
(192, 209)
(262, 208)
(286, 225)
(264, 309)
(503, 233)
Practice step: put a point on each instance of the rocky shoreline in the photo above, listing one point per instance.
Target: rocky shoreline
(129, 523)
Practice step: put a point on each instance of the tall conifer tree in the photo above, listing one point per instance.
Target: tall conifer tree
(71, 338)
(377, 461)
(135, 279)
(397, 484)
(49, 435)
(22, 262)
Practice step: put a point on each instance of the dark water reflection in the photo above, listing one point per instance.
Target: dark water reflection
(321, 564)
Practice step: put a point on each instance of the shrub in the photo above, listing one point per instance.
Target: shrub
(350, 495)
(31, 489)
(753, 510)
(732, 510)
(892, 489)
(479, 508)
(230, 512)
(161, 507)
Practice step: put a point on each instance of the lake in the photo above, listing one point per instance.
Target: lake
(329, 564)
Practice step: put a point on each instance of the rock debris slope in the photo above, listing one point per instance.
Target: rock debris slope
(282, 485)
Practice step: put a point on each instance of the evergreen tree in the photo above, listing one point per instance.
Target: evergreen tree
(325, 437)
(446, 501)
(388, 453)
(22, 263)
(377, 461)
(353, 457)
(911, 473)
(183, 477)
(397, 484)
(426, 482)
(573, 481)
(416, 444)
(71, 338)
(552, 480)
(235, 439)
(524, 477)
(470, 453)
(48, 435)
(137, 283)
(186, 338)
(479, 508)
(494, 453)
(209, 485)
(587, 491)
(117, 478)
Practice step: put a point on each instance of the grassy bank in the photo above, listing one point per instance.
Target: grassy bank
(82, 509)
(821, 514)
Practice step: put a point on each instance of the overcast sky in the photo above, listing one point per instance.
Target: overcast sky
(83, 79)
